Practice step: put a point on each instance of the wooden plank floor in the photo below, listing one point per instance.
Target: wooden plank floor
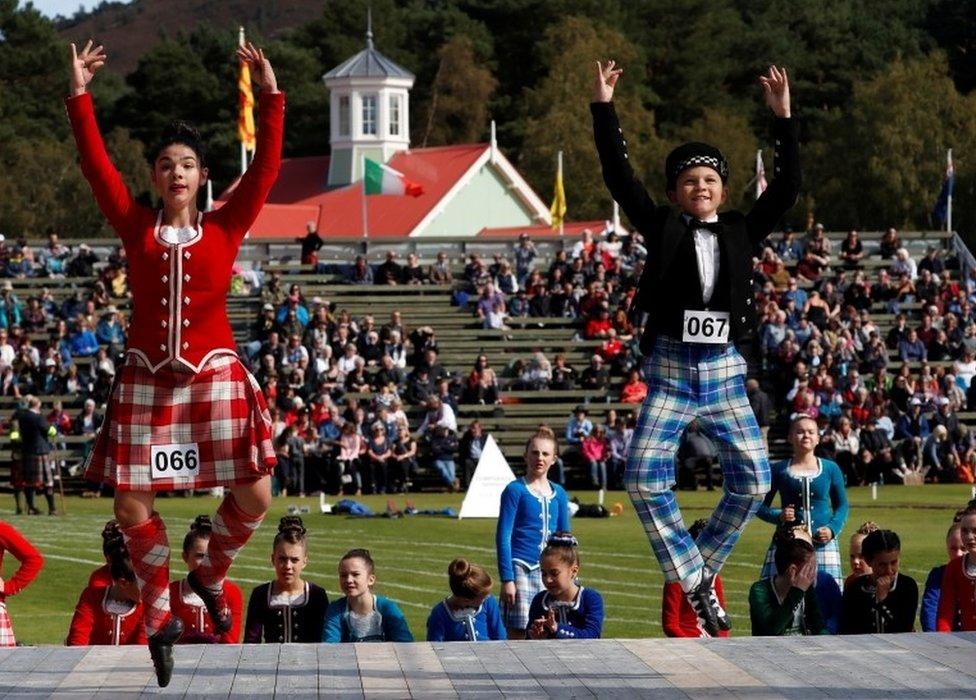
(894, 667)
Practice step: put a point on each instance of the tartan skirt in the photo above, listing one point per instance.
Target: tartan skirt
(7, 638)
(528, 583)
(175, 429)
(32, 471)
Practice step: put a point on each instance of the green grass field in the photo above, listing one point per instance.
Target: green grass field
(412, 553)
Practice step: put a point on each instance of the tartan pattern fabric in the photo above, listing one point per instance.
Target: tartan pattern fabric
(7, 638)
(35, 470)
(828, 560)
(688, 381)
(149, 552)
(528, 582)
(232, 528)
(221, 408)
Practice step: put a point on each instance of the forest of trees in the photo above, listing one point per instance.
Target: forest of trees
(883, 88)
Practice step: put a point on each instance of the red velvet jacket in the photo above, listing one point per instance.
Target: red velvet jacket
(30, 560)
(179, 289)
(197, 625)
(93, 625)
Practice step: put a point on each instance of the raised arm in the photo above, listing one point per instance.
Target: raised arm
(618, 174)
(248, 197)
(784, 188)
(113, 197)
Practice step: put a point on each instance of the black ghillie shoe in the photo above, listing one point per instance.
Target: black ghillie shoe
(161, 649)
(215, 602)
(705, 604)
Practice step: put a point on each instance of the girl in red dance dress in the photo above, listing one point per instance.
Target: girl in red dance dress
(184, 412)
(31, 563)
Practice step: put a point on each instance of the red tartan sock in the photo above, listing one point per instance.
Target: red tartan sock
(232, 528)
(149, 551)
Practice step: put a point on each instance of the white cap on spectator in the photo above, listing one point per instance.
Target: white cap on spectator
(268, 307)
(916, 401)
(943, 401)
(49, 362)
(2, 238)
(8, 285)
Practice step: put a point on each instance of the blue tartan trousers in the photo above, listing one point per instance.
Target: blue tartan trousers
(687, 381)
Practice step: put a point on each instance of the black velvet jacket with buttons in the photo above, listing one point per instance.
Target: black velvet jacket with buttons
(281, 625)
(670, 243)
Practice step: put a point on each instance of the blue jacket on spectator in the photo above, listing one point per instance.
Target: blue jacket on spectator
(84, 344)
(829, 597)
(10, 314)
(912, 352)
(907, 427)
(109, 333)
(574, 426)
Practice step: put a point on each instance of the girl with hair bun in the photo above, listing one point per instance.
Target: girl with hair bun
(110, 614)
(532, 509)
(361, 615)
(288, 609)
(187, 605)
(184, 412)
(470, 613)
(565, 609)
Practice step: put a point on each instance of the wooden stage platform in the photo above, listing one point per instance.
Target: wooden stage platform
(894, 666)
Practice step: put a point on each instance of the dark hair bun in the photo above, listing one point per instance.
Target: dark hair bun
(292, 523)
(459, 568)
(562, 539)
(201, 525)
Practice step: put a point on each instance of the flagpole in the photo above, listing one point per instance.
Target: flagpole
(560, 171)
(362, 162)
(949, 193)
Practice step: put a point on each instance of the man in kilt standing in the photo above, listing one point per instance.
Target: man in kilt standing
(184, 412)
(697, 293)
(36, 466)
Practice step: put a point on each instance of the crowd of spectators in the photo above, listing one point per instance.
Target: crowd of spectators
(885, 393)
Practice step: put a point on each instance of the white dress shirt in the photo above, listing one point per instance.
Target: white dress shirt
(706, 250)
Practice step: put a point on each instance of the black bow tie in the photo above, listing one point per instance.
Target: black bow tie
(713, 226)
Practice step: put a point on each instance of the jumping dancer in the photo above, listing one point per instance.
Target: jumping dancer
(184, 412)
(696, 291)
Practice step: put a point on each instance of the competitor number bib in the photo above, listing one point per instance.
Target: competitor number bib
(178, 461)
(705, 327)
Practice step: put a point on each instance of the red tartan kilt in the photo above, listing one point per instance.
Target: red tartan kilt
(7, 638)
(220, 408)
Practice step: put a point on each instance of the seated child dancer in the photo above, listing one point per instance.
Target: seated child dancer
(677, 616)
(565, 610)
(470, 613)
(885, 600)
(532, 509)
(361, 615)
(786, 604)
(859, 567)
(31, 563)
(958, 599)
(929, 611)
(288, 609)
(187, 605)
(696, 293)
(110, 614)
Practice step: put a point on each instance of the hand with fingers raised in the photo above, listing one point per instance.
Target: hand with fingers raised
(606, 80)
(776, 91)
(259, 65)
(84, 65)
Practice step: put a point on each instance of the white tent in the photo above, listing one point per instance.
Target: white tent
(491, 476)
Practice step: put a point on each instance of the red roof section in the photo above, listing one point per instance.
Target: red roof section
(299, 195)
(570, 228)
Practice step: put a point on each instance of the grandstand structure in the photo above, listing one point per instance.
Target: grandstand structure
(459, 333)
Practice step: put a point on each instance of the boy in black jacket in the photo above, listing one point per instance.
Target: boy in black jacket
(697, 295)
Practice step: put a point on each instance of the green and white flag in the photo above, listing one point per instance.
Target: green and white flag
(382, 179)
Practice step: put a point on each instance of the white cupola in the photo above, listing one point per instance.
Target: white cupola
(370, 111)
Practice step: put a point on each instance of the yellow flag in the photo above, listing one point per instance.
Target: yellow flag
(245, 118)
(558, 208)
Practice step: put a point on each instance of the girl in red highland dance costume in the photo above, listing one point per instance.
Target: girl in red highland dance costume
(31, 562)
(184, 413)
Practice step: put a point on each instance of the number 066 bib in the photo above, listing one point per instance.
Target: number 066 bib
(705, 327)
(177, 461)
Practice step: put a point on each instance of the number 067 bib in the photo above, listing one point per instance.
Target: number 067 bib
(705, 327)
(177, 461)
